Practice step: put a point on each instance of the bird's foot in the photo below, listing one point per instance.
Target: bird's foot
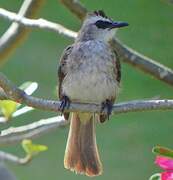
(107, 105)
(65, 103)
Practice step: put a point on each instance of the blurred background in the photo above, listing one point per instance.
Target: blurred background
(125, 142)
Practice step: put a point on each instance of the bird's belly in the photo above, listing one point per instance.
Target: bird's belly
(90, 86)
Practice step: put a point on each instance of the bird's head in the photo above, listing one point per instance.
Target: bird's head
(98, 26)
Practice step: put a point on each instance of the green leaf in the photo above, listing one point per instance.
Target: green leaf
(8, 108)
(32, 149)
(163, 151)
(155, 177)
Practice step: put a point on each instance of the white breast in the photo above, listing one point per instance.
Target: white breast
(90, 73)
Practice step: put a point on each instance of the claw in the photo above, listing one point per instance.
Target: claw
(108, 106)
(65, 103)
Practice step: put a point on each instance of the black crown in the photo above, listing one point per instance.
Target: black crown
(100, 13)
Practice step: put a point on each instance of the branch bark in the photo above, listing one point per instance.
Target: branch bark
(15, 33)
(128, 55)
(4, 156)
(143, 63)
(75, 7)
(37, 23)
(34, 130)
(18, 95)
(30, 131)
(10, 91)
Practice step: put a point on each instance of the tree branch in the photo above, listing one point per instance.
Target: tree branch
(10, 91)
(17, 95)
(30, 131)
(129, 56)
(4, 156)
(39, 128)
(15, 33)
(75, 7)
(143, 63)
(37, 23)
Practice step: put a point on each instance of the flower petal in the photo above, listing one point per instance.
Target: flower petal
(167, 176)
(164, 162)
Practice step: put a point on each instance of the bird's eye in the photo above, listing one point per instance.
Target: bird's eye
(103, 24)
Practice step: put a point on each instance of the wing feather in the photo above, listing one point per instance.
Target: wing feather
(62, 72)
(117, 73)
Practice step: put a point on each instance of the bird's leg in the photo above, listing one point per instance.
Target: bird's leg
(108, 106)
(65, 103)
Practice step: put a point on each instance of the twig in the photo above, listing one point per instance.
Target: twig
(39, 128)
(4, 156)
(37, 23)
(30, 131)
(16, 94)
(75, 7)
(144, 63)
(129, 56)
(15, 33)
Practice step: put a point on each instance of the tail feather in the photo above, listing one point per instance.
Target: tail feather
(81, 153)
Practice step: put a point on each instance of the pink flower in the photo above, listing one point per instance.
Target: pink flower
(166, 164)
(167, 175)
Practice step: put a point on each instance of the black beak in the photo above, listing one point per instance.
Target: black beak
(118, 25)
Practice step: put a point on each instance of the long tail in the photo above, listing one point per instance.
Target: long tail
(81, 153)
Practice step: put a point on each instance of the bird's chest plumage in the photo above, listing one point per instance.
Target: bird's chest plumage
(90, 74)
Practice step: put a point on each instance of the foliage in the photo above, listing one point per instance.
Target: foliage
(32, 149)
(8, 107)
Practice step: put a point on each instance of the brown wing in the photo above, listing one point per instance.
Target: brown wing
(62, 72)
(117, 73)
(117, 67)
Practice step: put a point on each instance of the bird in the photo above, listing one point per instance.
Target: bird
(88, 72)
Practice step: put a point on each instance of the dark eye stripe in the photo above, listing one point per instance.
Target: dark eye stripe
(103, 24)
